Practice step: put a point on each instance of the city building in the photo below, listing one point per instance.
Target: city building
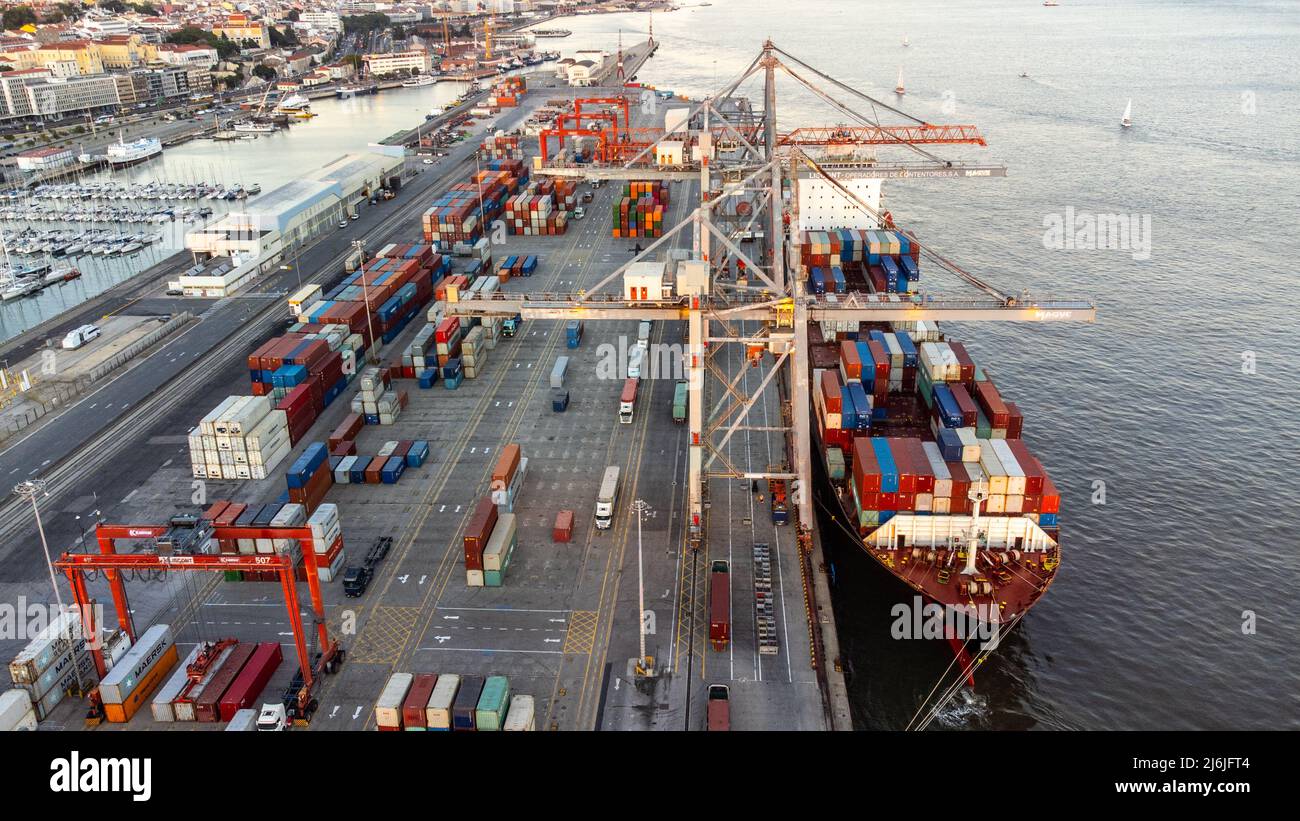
(241, 28)
(119, 52)
(322, 20)
(189, 55)
(399, 62)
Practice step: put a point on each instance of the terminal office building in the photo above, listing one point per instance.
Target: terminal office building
(37, 94)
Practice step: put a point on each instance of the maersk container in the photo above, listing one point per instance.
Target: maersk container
(462, 709)
(388, 708)
(243, 721)
(134, 678)
(171, 689)
(490, 713)
(438, 712)
(41, 651)
(522, 715)
(16, 711)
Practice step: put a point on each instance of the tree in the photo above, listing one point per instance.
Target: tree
(399, 33)
(265, 72)
(19, 16)
(115, 6)
(281, 39)
(363, 23)
(145, 8)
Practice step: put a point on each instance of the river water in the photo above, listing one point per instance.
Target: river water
(340, 127)
(1174, 604)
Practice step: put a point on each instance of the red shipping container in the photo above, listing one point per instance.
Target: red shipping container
(866, 469)
(417, 699)
(347, 429)
(960, 482)
(246, 688)
(906, 465)
(563, 530)
(920, 464)
(375, 471)
(1051, 498)
(478, 531)
(994, 408)
(345, 448)
(207, 703)
(969, 411)
(831, 391)
(1015, 421)
(849, 360)
(215, 510)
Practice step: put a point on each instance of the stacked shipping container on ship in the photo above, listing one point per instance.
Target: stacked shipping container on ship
(447, 345)
(640, 211)
(887, 261)
(909, 426)
(241, 438)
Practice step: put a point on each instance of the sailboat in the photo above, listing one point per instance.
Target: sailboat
(1127, 120)
(898, 89)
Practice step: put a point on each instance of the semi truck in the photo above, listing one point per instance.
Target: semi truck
(627, 401)
(607, 498)
(357, 577)
(720, 605)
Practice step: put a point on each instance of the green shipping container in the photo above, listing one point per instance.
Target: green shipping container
(234, 575)
(492, 704)
(835, 462)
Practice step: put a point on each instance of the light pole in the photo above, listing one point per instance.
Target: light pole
(30, 489)
(644, 664)
(371, 355)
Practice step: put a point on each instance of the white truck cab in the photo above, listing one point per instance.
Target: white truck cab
(80, 336)
(273, 718)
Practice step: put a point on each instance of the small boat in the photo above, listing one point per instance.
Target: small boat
(419, 81)
(898, 89)
(251, 127)
(1127, 119)
(905, 43)
(293, 103)
(1024, 74)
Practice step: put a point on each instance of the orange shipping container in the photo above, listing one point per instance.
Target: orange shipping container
(506, 466)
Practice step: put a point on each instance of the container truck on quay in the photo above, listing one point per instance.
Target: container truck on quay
(607, 498)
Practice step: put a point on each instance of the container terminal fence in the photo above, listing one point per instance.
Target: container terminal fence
(25, 408)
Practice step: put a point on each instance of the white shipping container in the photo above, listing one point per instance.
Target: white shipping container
(243, 721)
(388, 709)
(993, 467)
(497, 551)
(326, 573)
(942, 476)
(16, 711)
(248, 415)
(438, 712)
(171, 688)
(47, 645)
(122, 680)
(522, 715)
(970, 444)
(1015, 475)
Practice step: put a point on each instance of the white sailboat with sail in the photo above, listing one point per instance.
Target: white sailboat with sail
(1127, 119)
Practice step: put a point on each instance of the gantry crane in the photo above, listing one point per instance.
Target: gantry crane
(112, 564)
(774, 293)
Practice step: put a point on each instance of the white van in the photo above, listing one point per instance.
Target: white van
(80, 336)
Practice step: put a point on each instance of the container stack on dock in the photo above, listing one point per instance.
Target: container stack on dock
(48, 667)
(500, 147)
(461, 213)
(377, 401)
(309, 477)
(244, 438)
(640, 211)
(850, 259)
(448, 701)
(506, 93)
(542, 209)
(132, 680)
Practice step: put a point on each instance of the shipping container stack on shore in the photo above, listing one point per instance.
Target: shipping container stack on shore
(640, 211)
(493, 531)
(542, 208)
(449, 701)
(241, 438)
(56, 658)
(467, 209)
(506, 93)
(133, 679)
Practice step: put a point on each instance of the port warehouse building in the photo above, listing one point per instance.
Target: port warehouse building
(236, 249)
(37, 93)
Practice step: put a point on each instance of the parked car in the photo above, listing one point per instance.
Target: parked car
(80, 336)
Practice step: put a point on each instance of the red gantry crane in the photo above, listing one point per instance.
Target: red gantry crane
(112, 563)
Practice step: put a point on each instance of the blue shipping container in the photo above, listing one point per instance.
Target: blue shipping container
(888, 469)
(393, 470)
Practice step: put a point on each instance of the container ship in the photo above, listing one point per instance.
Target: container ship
(918, 448)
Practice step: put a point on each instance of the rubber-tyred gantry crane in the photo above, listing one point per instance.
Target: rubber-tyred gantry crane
(111, 563)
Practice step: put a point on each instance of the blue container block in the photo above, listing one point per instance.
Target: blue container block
(306, 465)
(393, 470)
(451, 383)
(817, 279)
(417, 454)
(283, 498)
(1047, 519)
(949, 410)
(372, 419)
(841, 284)
(428, 376)
(878, 336)
(452, 368)
(357, 473)
(909, 268)
(888, 468)
(530, 265)
(861, 408)
(949, 445)
(868, 365)
(848, 411)
(886, 515)
(909, 349)
(334, 463)
(559, 400)
(891, 273)
(472, 269)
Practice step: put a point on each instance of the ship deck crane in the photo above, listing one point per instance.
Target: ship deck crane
(112, 564)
